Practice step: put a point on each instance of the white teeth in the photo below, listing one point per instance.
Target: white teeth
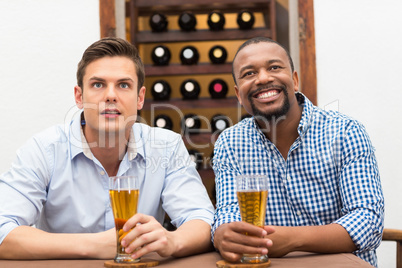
(267, 94)
(112, 112)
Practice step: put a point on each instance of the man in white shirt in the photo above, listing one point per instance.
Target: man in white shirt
(59, 180)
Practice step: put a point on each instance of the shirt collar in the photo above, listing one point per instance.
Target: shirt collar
(77, 137)
(307, 113)
(131, 147)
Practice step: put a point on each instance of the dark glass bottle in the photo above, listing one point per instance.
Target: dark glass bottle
(218, 89)
(219, 123)
(160, 90)
(191, 124)
(187, 21)
(189, 55)
(216, 21)
(163, 121)
(217, 54)
(158, 22)
(161, 55)
(196, 157)
(245, 19)
(190, 89)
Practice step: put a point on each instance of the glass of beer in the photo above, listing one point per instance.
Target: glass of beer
(124, 193)
(252, 194)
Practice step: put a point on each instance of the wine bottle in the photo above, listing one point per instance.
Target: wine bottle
(216, 21)
(158, 22)
(163, 121)
(189, 55)
(218, 89)
(245, 19)
(190, 89)
(219, 123)
(196, 157)
(217, 54)
(161, 55)
(160, 90)
(191, 124)
(187, 21)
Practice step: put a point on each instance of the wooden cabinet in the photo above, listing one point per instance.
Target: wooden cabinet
(231, 37)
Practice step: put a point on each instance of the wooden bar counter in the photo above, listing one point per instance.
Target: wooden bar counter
(207, 260)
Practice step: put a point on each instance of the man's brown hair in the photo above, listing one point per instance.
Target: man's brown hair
(110, 47)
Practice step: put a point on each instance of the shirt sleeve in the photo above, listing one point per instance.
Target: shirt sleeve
(184, 196)
(225, 169)
(23, 188)
(361, 191)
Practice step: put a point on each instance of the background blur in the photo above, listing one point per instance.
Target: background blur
(358, 53)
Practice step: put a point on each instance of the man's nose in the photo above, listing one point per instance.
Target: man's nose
(264, 77)
(110, 93)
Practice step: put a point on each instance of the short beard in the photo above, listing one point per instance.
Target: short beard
(272, 116)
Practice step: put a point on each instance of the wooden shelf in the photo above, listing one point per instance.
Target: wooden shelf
(179, 69)
(203, 138)
(143, 8)
(203, 103)
(140, 10)
(207, 173)
(200, 35)
(146, 6)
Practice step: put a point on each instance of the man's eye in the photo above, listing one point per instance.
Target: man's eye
(124, 85)
(247, 73)
(97, 85)
(275, 67)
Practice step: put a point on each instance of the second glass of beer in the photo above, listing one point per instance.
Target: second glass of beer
(124, 193)
(252, 194)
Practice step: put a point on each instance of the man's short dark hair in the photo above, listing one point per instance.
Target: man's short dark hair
(110, 47)
(257, 40)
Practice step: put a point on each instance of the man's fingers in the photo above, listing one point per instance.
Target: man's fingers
(134, 220)
(244, 227)
(147, 238)
(231, 256)
(246, 244)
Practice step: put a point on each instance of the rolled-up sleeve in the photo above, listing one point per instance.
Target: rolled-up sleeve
(361, 191)
(23, 188)
(184, 196)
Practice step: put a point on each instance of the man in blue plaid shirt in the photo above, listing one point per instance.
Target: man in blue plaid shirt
(325, 192)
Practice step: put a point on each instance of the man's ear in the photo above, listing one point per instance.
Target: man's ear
(78, 97)
(237, 94)
(141, 98)
(295, 81)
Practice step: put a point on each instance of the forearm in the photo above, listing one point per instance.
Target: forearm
(192, 237)
(26, 242)
(331, 238)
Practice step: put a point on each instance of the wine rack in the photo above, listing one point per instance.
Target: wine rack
(205, 38)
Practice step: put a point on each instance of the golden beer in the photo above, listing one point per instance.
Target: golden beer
(253, 205)
(252, 195)
(124, 204)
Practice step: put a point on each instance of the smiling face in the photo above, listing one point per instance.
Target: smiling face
(110, 98)
(265, 83)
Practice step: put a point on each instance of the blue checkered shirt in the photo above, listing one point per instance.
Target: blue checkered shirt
(330, 176)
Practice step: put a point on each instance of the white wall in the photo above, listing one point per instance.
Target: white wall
(41, 43)
(359, 55)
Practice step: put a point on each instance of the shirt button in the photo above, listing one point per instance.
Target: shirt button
(288, 178)
(102, 172)
(298, 213)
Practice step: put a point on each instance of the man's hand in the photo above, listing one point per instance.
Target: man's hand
(231, 241)
(147, 236)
